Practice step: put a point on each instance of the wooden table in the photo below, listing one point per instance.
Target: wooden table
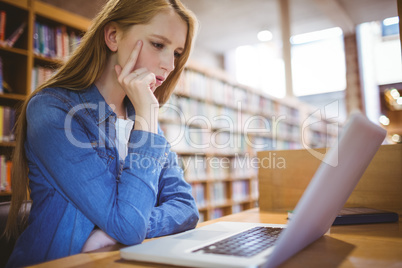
(369, 245)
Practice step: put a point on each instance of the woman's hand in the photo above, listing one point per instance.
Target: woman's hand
(96, 240)
(139, 85)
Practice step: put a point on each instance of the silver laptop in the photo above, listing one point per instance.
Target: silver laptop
(213, 245)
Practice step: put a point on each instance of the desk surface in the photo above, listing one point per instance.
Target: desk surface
(369, 245)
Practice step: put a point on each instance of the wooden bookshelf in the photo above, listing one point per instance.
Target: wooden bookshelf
(21, 59)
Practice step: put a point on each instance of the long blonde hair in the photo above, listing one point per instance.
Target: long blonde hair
(84, 67)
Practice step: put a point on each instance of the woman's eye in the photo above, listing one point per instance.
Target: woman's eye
(177, 55)
(158, 45)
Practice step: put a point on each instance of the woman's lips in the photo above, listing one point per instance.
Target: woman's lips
(159, 80)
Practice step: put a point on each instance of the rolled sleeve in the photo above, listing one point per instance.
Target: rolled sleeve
(176, 210)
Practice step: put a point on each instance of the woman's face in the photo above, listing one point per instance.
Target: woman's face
(163, 41)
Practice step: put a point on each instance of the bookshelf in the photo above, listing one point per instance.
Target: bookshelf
(21, 61)
(215, 125)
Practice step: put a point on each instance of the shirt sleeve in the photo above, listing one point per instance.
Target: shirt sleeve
(175, 210)
(121, 208)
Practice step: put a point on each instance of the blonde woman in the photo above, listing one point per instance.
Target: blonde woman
(89, 149)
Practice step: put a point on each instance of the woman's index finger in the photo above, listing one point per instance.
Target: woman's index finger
(132, 60)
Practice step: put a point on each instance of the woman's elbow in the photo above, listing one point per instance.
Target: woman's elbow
(193, 218)
(133, 239)
(134, 235)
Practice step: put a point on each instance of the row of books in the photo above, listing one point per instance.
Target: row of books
(219, 193)
(321, 140)
(202, 168)
(254, 189)
(269, 144)
(198, 191)
(219, 168)
(5, 174)
(220, 212)
(54, 42)
(240, 191)
(184, 139)
(237, 208)
(194, 167)
(7, 122)
(244, 166)
(196, 113)
(8, 36)
(217, 213)
(212, 90)
(39, 75)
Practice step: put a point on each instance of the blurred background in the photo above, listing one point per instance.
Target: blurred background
(315, 50)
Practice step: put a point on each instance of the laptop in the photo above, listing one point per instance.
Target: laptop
(313, 215)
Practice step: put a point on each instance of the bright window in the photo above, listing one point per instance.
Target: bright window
(318, 62)
(261, 67)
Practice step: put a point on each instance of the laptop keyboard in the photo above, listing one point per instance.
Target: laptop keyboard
(244, 244)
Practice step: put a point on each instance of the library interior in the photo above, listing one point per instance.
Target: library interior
(267, 89)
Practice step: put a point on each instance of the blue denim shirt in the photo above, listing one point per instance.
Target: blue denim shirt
(78, 182)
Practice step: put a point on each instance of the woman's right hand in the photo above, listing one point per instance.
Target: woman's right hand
(138, 85)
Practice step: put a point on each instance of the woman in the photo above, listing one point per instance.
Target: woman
(100, 170)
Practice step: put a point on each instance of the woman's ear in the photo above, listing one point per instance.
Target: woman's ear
(110, 32)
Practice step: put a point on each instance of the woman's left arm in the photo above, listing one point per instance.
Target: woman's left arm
(175, 210)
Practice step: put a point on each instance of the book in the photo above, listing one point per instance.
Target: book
(3, 172)
(6, 134)
(65, 43)
(1, 123)
(12, 124)
(3, 16)
(9, 165)
(361, 215)
(1, 76)
(16, 35)
(36, 41)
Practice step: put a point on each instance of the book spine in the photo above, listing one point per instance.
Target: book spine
(1, 123)
(3, 16)
(46, 40)
(72, 42)
(9, 165)
(3, 173)
(66, 48)
(1, 75)
(16, 35)
(36, 41)
(34, 81)
(12, 124)
(59, 43)
(198, 191)
(40, 75)
(52, 43)
(41, 39)
(6, 124)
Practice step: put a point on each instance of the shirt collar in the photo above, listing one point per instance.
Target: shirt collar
(95, 104)
(97, 107)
